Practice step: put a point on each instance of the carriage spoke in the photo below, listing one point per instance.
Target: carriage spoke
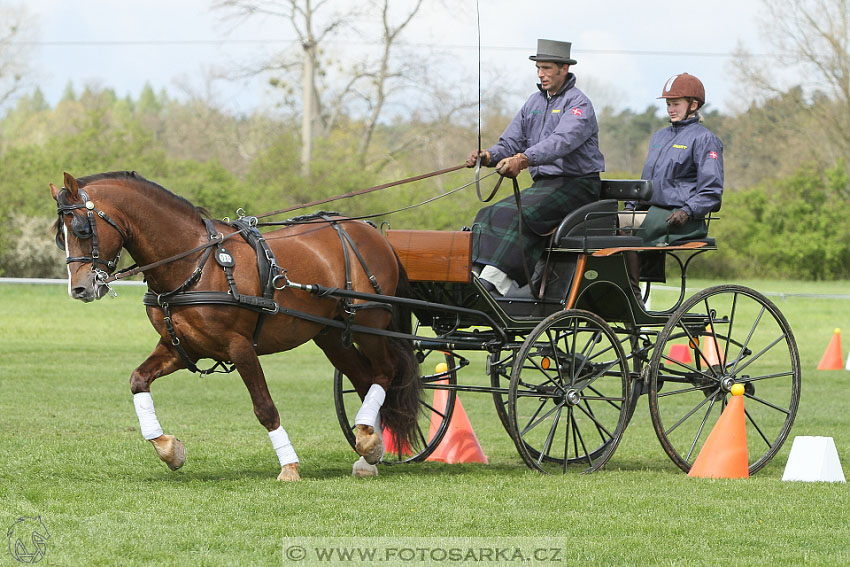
(767, 403)
(532, 423)
(547, 445)
(577, 434)
(699, 431)
(755, 357)
(757, 428)
(688, 415)
(687, 390)
(598, 424)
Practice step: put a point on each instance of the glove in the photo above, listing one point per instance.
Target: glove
(510, 167)
(485, 158)
(678, 218)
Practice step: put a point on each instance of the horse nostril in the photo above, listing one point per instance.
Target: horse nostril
(78, 291)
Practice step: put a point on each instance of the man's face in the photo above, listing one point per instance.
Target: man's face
(552, 76)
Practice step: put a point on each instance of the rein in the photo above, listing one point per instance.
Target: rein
(364, 191)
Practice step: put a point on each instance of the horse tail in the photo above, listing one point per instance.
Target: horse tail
(400, 412)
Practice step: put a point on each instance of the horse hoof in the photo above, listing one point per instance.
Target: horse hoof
(369, 444)
(289, 473)
(170, 450)
(362, 469)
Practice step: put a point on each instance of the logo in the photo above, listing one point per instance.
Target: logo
(576, 111)
(712, 155)
(28, 540)
(680, 147)
(556, 110)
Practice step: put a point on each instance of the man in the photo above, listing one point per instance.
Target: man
(555, 135)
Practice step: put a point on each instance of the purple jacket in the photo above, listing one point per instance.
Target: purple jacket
(685, 164)
(559, 134)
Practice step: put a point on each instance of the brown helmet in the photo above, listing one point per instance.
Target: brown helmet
(684, 86)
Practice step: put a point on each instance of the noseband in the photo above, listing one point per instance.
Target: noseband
(85, 227)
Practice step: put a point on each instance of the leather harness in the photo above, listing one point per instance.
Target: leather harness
(270, 275)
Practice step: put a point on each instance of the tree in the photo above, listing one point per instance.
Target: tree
(14, 53)
(327, 92)
(811, 41)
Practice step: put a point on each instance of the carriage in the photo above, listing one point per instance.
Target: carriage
(566, 365)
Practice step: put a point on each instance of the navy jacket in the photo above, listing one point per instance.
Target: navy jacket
(685, 164)
(559, 134)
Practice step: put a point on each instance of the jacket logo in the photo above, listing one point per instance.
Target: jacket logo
(680, 147)
(576, 111)
(556, 110)
(712, 155)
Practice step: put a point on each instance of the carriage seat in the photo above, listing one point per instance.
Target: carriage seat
(594, 225)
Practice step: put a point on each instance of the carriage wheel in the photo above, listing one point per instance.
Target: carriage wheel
(437, 405)
(734, 335)
(499, 365)
(569, 394)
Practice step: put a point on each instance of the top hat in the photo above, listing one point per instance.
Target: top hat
(553, 51)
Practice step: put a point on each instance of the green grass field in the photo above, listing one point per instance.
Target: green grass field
(71, 452)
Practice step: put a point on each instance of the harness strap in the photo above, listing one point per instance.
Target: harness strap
(175, 342)
(267, 269)
(348, 305)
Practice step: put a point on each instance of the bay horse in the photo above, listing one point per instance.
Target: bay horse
(99, 215)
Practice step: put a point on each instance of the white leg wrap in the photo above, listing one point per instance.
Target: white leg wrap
(370, 410)
(148, 422)
(280, 441)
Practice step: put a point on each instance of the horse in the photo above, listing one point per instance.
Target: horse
(171, 239)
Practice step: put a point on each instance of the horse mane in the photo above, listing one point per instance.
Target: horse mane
(142, 181)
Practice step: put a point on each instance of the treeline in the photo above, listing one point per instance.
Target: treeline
(784, 212)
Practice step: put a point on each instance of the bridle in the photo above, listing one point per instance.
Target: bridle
(84, 227)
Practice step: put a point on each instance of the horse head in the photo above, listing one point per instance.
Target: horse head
(92, 241)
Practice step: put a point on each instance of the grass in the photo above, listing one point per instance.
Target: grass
(71, 452)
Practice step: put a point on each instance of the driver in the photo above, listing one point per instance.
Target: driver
(555, 135)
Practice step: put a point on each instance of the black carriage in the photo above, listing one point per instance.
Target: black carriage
(567, 367)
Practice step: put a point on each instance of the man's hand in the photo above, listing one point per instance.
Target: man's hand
(678, 218)
(510, 167)
(485, 158)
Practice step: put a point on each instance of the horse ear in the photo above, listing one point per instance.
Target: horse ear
(71, 185)
(54, 191)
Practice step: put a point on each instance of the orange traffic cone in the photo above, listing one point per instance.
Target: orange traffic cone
(724, 454)
(459, 445)
(831, 359)
(710, 350)
(681, 353)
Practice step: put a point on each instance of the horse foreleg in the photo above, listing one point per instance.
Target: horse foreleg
(161, 361)
(242, 354)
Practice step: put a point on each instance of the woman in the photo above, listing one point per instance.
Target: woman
(685, 165)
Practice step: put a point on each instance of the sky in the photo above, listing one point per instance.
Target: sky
(626, 49)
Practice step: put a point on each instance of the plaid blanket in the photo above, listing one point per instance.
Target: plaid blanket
(544, 206)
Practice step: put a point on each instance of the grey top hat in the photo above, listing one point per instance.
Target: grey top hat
(554, 51)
